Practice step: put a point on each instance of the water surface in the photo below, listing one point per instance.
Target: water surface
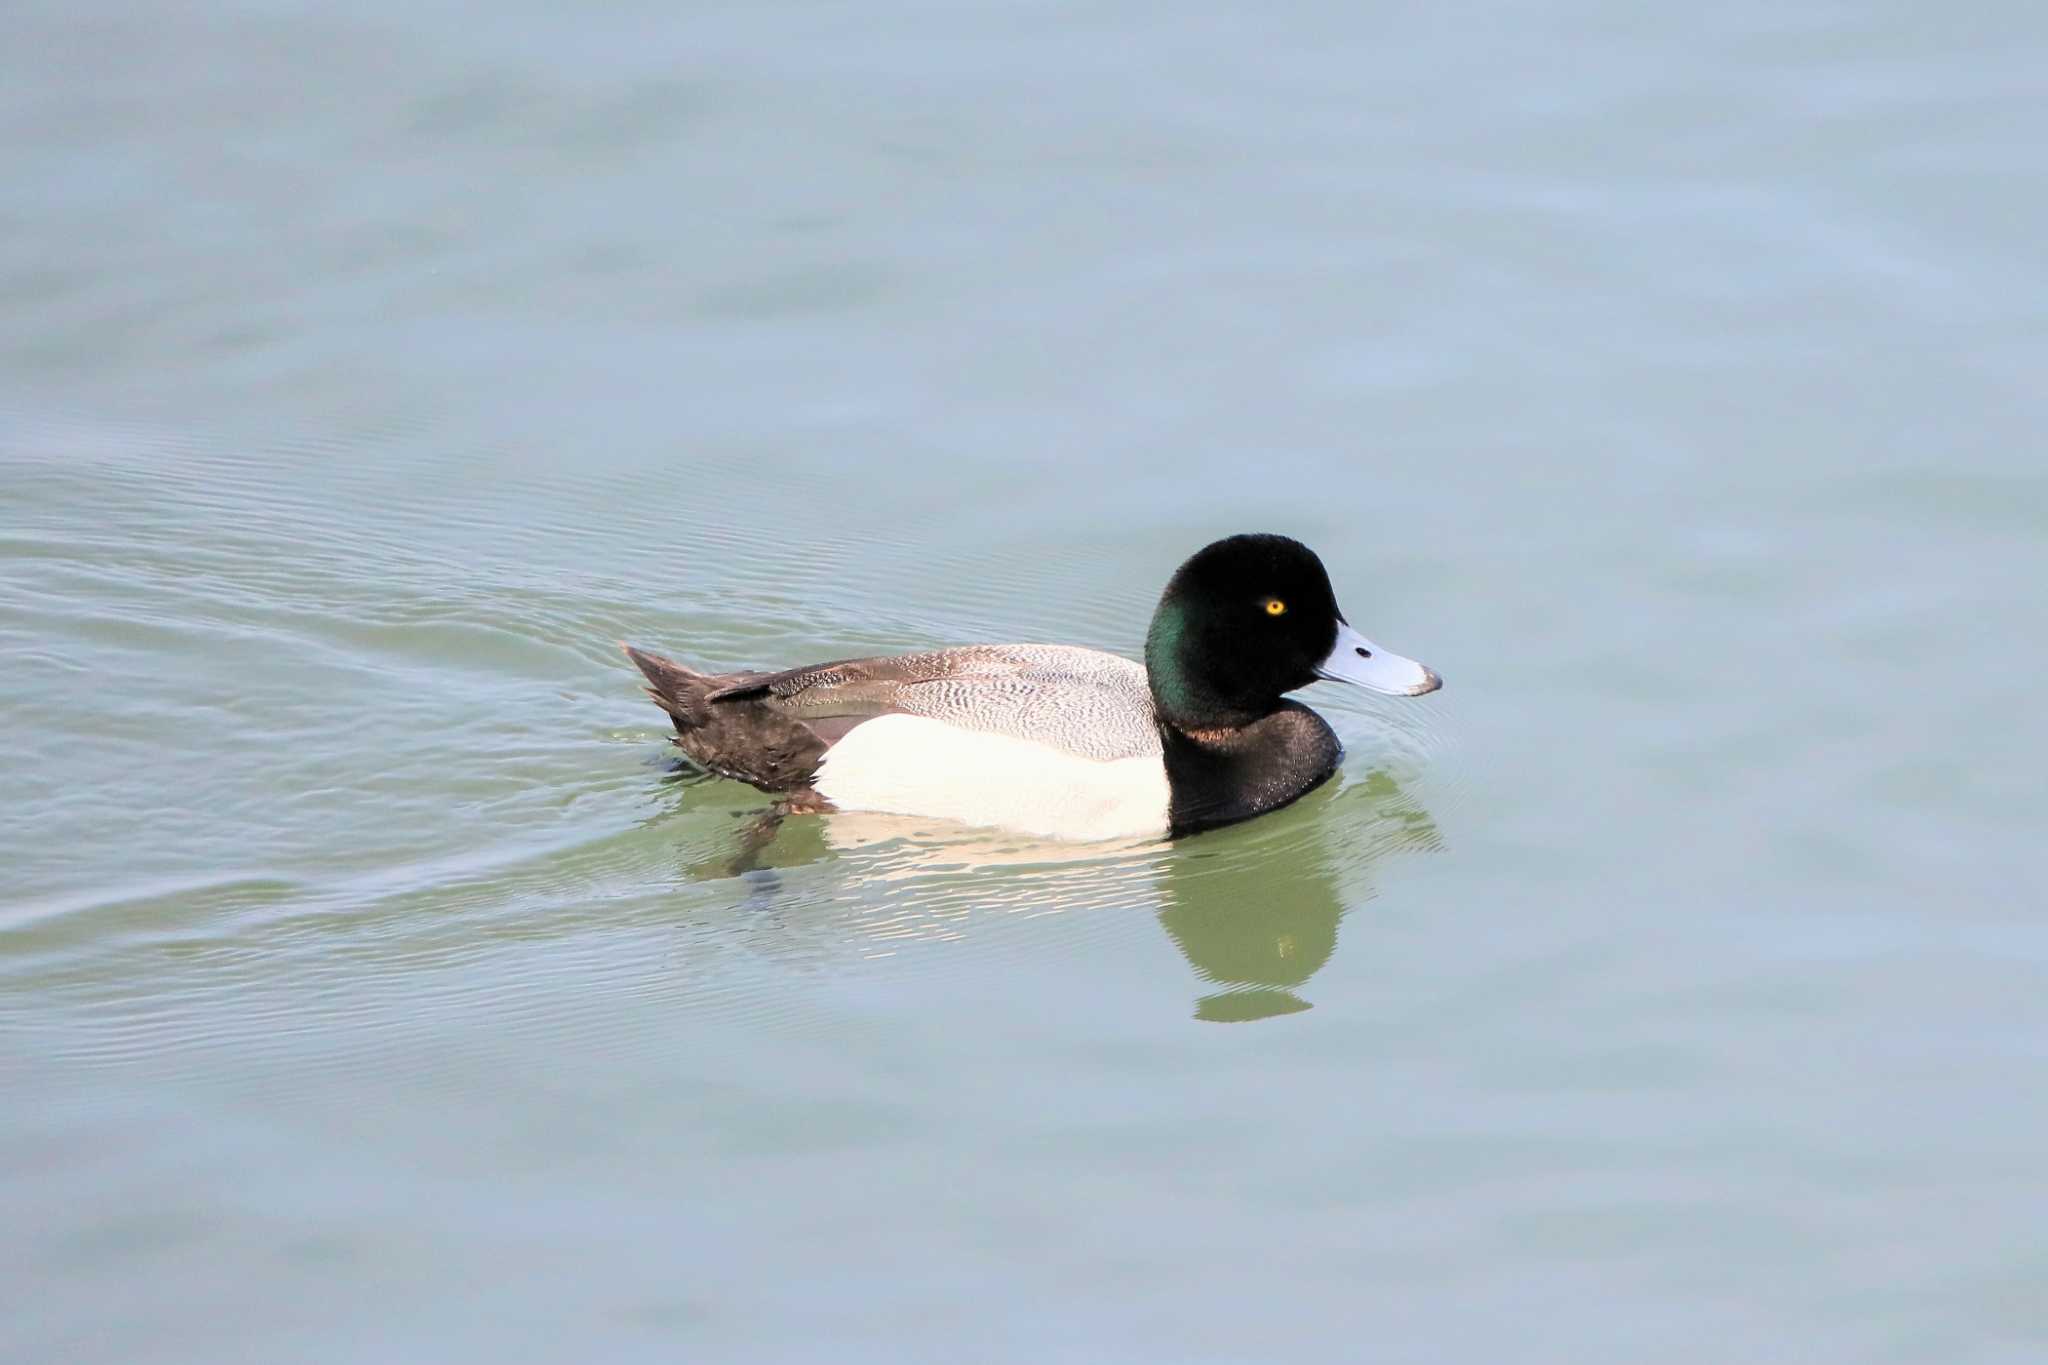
(1669, 987)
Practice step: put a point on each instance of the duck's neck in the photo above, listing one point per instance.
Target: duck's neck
(1218, 777)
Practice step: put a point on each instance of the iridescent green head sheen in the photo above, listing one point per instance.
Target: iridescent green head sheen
(1242, 622)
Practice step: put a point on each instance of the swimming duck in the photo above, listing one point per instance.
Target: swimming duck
(1057, 740)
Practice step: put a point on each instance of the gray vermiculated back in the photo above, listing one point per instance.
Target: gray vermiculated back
(1084, 701)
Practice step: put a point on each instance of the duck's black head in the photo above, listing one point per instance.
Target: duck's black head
(1250, 618)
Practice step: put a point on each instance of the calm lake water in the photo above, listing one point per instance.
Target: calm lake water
(1671, 987)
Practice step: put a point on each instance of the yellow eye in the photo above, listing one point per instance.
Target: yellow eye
(1275, 607)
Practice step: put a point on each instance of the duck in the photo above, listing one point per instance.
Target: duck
(1059, 741)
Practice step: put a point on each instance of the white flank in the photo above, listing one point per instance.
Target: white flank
(908, 765)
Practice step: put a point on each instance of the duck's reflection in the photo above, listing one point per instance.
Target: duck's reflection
(1254, 927)
(1254, 908)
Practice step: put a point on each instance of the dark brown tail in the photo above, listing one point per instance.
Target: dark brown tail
(677, 690)
(741, 737)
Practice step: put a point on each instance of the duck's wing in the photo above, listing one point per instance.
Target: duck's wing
(1082, 701)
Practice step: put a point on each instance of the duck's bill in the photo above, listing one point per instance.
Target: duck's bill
(1358, 660)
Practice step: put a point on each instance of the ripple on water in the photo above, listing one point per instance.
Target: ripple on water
(389, 766)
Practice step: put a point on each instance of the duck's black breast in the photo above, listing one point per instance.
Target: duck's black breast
(1220, 777)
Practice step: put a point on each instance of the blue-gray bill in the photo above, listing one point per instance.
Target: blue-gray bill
(1356, 659)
